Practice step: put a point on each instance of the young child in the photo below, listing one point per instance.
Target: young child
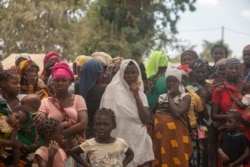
(27, 134)
(233, 147)
(103, 150)
(244, 103)
(9, 125)
(50, 154)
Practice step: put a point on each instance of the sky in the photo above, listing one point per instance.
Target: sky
(208, 19)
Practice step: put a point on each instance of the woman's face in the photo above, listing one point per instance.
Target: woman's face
(218, 53)
(200, 74)
(12, 85)
(233, 71)
(131, 74)
(61, 85)
(187, 59)
(172, 81)
(31, 72)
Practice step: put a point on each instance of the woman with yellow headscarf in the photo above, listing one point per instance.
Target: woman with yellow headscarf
(155, 69)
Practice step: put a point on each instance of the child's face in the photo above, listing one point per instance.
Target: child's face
(103, 126)
(231, 124)
(16, 119)
(220, 70)
(218, 53)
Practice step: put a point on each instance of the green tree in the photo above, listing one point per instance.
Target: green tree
(39, 26)
(126, 28)
(207, 47)
(132, 28)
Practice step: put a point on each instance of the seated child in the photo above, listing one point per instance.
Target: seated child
(103, 150)
(27, 134)
(50, 153)
(233, 147)
(9, 125)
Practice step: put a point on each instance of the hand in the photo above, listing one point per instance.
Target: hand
(134, 89)
(38, 116)
(53, 148)
(173, 91)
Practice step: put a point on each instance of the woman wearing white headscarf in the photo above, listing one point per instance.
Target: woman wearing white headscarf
(125, 96)
(172, 143)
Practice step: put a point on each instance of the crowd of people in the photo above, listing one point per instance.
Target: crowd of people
(111, 112)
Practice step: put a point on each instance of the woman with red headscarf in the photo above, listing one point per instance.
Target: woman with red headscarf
(49, 60)
(30, 83)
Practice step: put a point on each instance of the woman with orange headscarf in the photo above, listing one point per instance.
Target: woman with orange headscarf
(30, 83)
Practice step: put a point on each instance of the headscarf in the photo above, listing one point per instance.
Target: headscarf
(185, 68)
(80, 60)
(156, 59)
(118, 78)
(89, 74)
(49, 56)
(39, 88)
(104, 58)
(189, 52)
(62, 70)
(24, 66)
(177, 74)
(199, 63)
(232, 61)
(114, 67)
(22, 56)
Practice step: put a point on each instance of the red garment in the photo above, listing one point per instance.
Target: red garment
(222, 93)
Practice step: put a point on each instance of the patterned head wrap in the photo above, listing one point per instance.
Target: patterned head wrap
(232, 61)
(80, 60)
(21, 56)
(199, 63)
(62, 70)
(39, 88)
(185, 68)
(189, 52)
(104, 58)
(49, 56)
(24, 66)
(156, 59)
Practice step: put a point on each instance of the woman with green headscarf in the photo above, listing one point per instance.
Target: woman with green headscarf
(155, 69)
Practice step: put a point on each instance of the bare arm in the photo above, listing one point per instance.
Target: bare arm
(75, 153)
(181, 108)
(143, 111)
(80, 126)
(129, 157)
(215, 113)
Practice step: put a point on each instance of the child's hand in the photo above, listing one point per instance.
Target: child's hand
(53, 148)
